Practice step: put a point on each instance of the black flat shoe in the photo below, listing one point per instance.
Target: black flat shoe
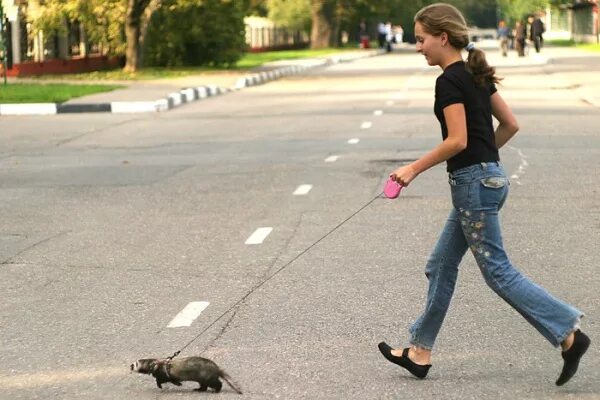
(420, 371)
(572, 357)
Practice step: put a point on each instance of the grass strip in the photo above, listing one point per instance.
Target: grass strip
(247, 62)
(595, 47)
(48, 93)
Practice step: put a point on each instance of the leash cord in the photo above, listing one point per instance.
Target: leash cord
(272, 276)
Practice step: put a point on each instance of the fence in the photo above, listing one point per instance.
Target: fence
(262, 34)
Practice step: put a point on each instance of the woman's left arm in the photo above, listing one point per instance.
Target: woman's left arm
(456, 121)
(507, 123)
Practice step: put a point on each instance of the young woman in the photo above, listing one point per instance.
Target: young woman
(465, 101)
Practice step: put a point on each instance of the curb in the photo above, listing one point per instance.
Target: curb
(174, 99)
(171, 101)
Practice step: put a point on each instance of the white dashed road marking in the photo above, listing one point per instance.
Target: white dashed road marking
(366, 125)
(378, 113)
(259, 235)
(332, 159)
(302, 190)
(353, 141)
(188, 314)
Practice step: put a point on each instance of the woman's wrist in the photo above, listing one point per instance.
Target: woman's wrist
(414, 168)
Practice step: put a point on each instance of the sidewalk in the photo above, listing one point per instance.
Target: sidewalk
(585, 81)
(164, 94)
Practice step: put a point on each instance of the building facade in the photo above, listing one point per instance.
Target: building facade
(585, 25)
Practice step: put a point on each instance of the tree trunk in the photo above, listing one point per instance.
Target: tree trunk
(152, 7)
(133, 30)
(323, 13)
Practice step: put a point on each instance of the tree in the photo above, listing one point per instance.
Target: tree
(514, 10)
(260, 8)
(103, 21)
(137, 17)
(323, 13)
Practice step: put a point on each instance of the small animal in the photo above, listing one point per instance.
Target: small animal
(175, 371)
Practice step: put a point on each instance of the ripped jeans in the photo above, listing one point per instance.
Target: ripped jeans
(478, 193)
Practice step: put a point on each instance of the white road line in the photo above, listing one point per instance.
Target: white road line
(188, 314)
(332, 159)
(353, 141)
(366, 125)
(259, 235)
(522, 166)
(400, 95)
(378, 113)
(302, 190)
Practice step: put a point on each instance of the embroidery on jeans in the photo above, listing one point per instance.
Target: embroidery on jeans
(473, 228)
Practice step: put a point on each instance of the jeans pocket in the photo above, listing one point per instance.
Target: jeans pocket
(493, 191)
(494, 182)
(461, 195)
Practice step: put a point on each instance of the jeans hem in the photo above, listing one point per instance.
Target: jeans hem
(420, 345)
(574, 326)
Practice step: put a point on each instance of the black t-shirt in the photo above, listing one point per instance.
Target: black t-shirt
(456, 85)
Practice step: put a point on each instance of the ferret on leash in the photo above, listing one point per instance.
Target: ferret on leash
(198, 369)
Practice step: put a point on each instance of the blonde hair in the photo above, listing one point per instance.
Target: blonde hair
(441, 17)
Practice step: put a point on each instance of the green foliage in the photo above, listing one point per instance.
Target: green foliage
(53, 14)
(102, 20)
(294, 14)
(515, 10)
(257, 8)
(196, 32)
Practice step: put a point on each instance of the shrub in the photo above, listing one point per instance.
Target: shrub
(195, 32)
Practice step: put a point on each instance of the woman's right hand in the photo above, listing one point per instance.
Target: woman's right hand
(404, 175)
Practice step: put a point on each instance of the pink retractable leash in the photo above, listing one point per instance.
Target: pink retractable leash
(391, 190)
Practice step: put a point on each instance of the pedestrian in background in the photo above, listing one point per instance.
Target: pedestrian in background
(528, 34)
(398, 34)
(520, 38)
(503, 37)
(537, 29)
(465, 101)
(381, 35)
(389, 37)
(363, 35)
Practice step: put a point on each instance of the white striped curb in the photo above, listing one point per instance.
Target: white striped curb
(31, 108)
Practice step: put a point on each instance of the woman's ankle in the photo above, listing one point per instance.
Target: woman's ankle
(568, 342)
(419, 355)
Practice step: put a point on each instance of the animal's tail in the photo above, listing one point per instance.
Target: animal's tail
(230, 382)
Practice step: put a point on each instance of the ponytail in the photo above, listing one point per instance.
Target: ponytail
(482, 72)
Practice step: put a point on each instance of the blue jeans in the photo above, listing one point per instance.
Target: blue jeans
(478, 193)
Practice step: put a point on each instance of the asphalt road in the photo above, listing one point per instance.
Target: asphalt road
(112, 224)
